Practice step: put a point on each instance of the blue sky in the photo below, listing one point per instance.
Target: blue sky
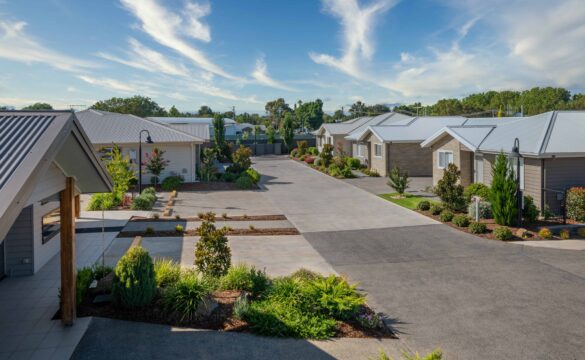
(225, 53)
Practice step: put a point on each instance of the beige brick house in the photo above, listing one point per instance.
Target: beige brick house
(551, 145)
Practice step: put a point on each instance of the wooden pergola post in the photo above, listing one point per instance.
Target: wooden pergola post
(68, 262)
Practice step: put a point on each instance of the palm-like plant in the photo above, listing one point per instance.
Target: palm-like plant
(398, 180)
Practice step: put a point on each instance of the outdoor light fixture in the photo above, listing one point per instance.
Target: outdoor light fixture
(515, 154)
(148, 141)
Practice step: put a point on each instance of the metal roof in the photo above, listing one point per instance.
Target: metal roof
(189, 120)
(18, 134)
(470, 136)
(416, 131)
(390, 118)
(30, 141)
(104, 127)
(201, 131)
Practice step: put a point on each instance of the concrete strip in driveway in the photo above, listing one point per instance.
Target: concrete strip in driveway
(314, 201)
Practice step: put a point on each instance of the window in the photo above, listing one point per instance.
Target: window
(360, 150)
(132, 156)
(478, 168)
(445, 158)
(378, 150)
(51, 225)
(513, 164)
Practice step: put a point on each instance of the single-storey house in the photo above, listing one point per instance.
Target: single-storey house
(551, 145)
(345, 133)
(106, 129)
(46, 161)
(398, 144)
(199, 127)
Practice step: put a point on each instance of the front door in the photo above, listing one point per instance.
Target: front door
(478, 176)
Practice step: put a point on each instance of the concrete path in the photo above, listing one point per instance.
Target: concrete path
(313, 201)
(473, 297)
(555, 244)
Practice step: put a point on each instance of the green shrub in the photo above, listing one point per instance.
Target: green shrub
(461, 220)
(179, 229)
(398, 180)
(83, 280)
(370, 172)
(326, 154)
(334, 297)
(134, 280)
(545, 233)
(424, 205)
(229, 176)
(303, 274)
(241, 307)
(353, 163)
(149, 190)
(294, 153)
(317, 162)
(576, 204)
(212, 253)
(449, 189)
(254, 175)
(245, 182)
(485, 210)
(166, 272)
(565, 234)
(476, 189)
(186, 295)
(100, 271)
(503, 233)
(340, 172)
(503, 192)
(143, 202)
(581, 232)
(171, 183)
(446, 215)
(530, 211)
(102, 201)
(241, 159)
(246, 278)
(302, 147)
(435, 355)
(313, 151)
(436, 209)
(477, 227)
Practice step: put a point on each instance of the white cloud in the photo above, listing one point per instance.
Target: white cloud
(16, 45)
(107, 83)
(168, 28)
(144, 58)
(197, 29)
(358, 24)
(261, 75)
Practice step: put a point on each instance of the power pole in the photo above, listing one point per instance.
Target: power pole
(234, 112)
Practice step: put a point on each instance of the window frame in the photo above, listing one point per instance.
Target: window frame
(439, 152)
(376, 152)
(46, 238)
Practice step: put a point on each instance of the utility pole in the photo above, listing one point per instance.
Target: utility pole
(234, 112)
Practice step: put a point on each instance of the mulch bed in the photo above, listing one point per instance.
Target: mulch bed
(221, 319)
(217, 218)
(232, 232)
(201, 186)
(532, 229)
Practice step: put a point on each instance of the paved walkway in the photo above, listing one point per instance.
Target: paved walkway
(473, 297)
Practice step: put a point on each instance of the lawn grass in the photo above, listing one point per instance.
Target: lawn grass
(409, 201)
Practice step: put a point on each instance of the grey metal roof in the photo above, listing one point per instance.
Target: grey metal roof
(346, 127)
(491, 121)
(18, 134)
(201, 131)
(30, 142)
(188, 120)
(567, 133)
(104, 127)
(390, 118)
(416, 131)
(470, 136)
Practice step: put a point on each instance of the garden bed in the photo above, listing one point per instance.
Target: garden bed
(193, 232)
(408, 201)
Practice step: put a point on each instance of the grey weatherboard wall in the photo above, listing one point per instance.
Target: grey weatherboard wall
(18, 245)
(2, 260)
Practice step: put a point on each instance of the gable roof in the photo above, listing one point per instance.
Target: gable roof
(552, 133)
(29, 143)
(417, 130)
(390, 118)
(188, 120)
(103, 127)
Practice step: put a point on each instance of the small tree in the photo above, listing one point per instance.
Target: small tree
(270, 134)
(119, 169)
(222, 149)
(302, 147)
(287, 131)
(242, 159)
(449, 189)
(326, 154)
(207, 164)
(155, 163)
(212, 253)
(398, 180)
(503, 192)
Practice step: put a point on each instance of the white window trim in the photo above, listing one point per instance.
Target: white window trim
(439, 158)
(381, 150)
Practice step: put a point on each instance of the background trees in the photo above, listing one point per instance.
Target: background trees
(136, 105)
(287, 131)
(38, 106)
(276, 109)
(309, 114)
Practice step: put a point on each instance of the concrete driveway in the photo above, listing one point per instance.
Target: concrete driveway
(475, 298)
